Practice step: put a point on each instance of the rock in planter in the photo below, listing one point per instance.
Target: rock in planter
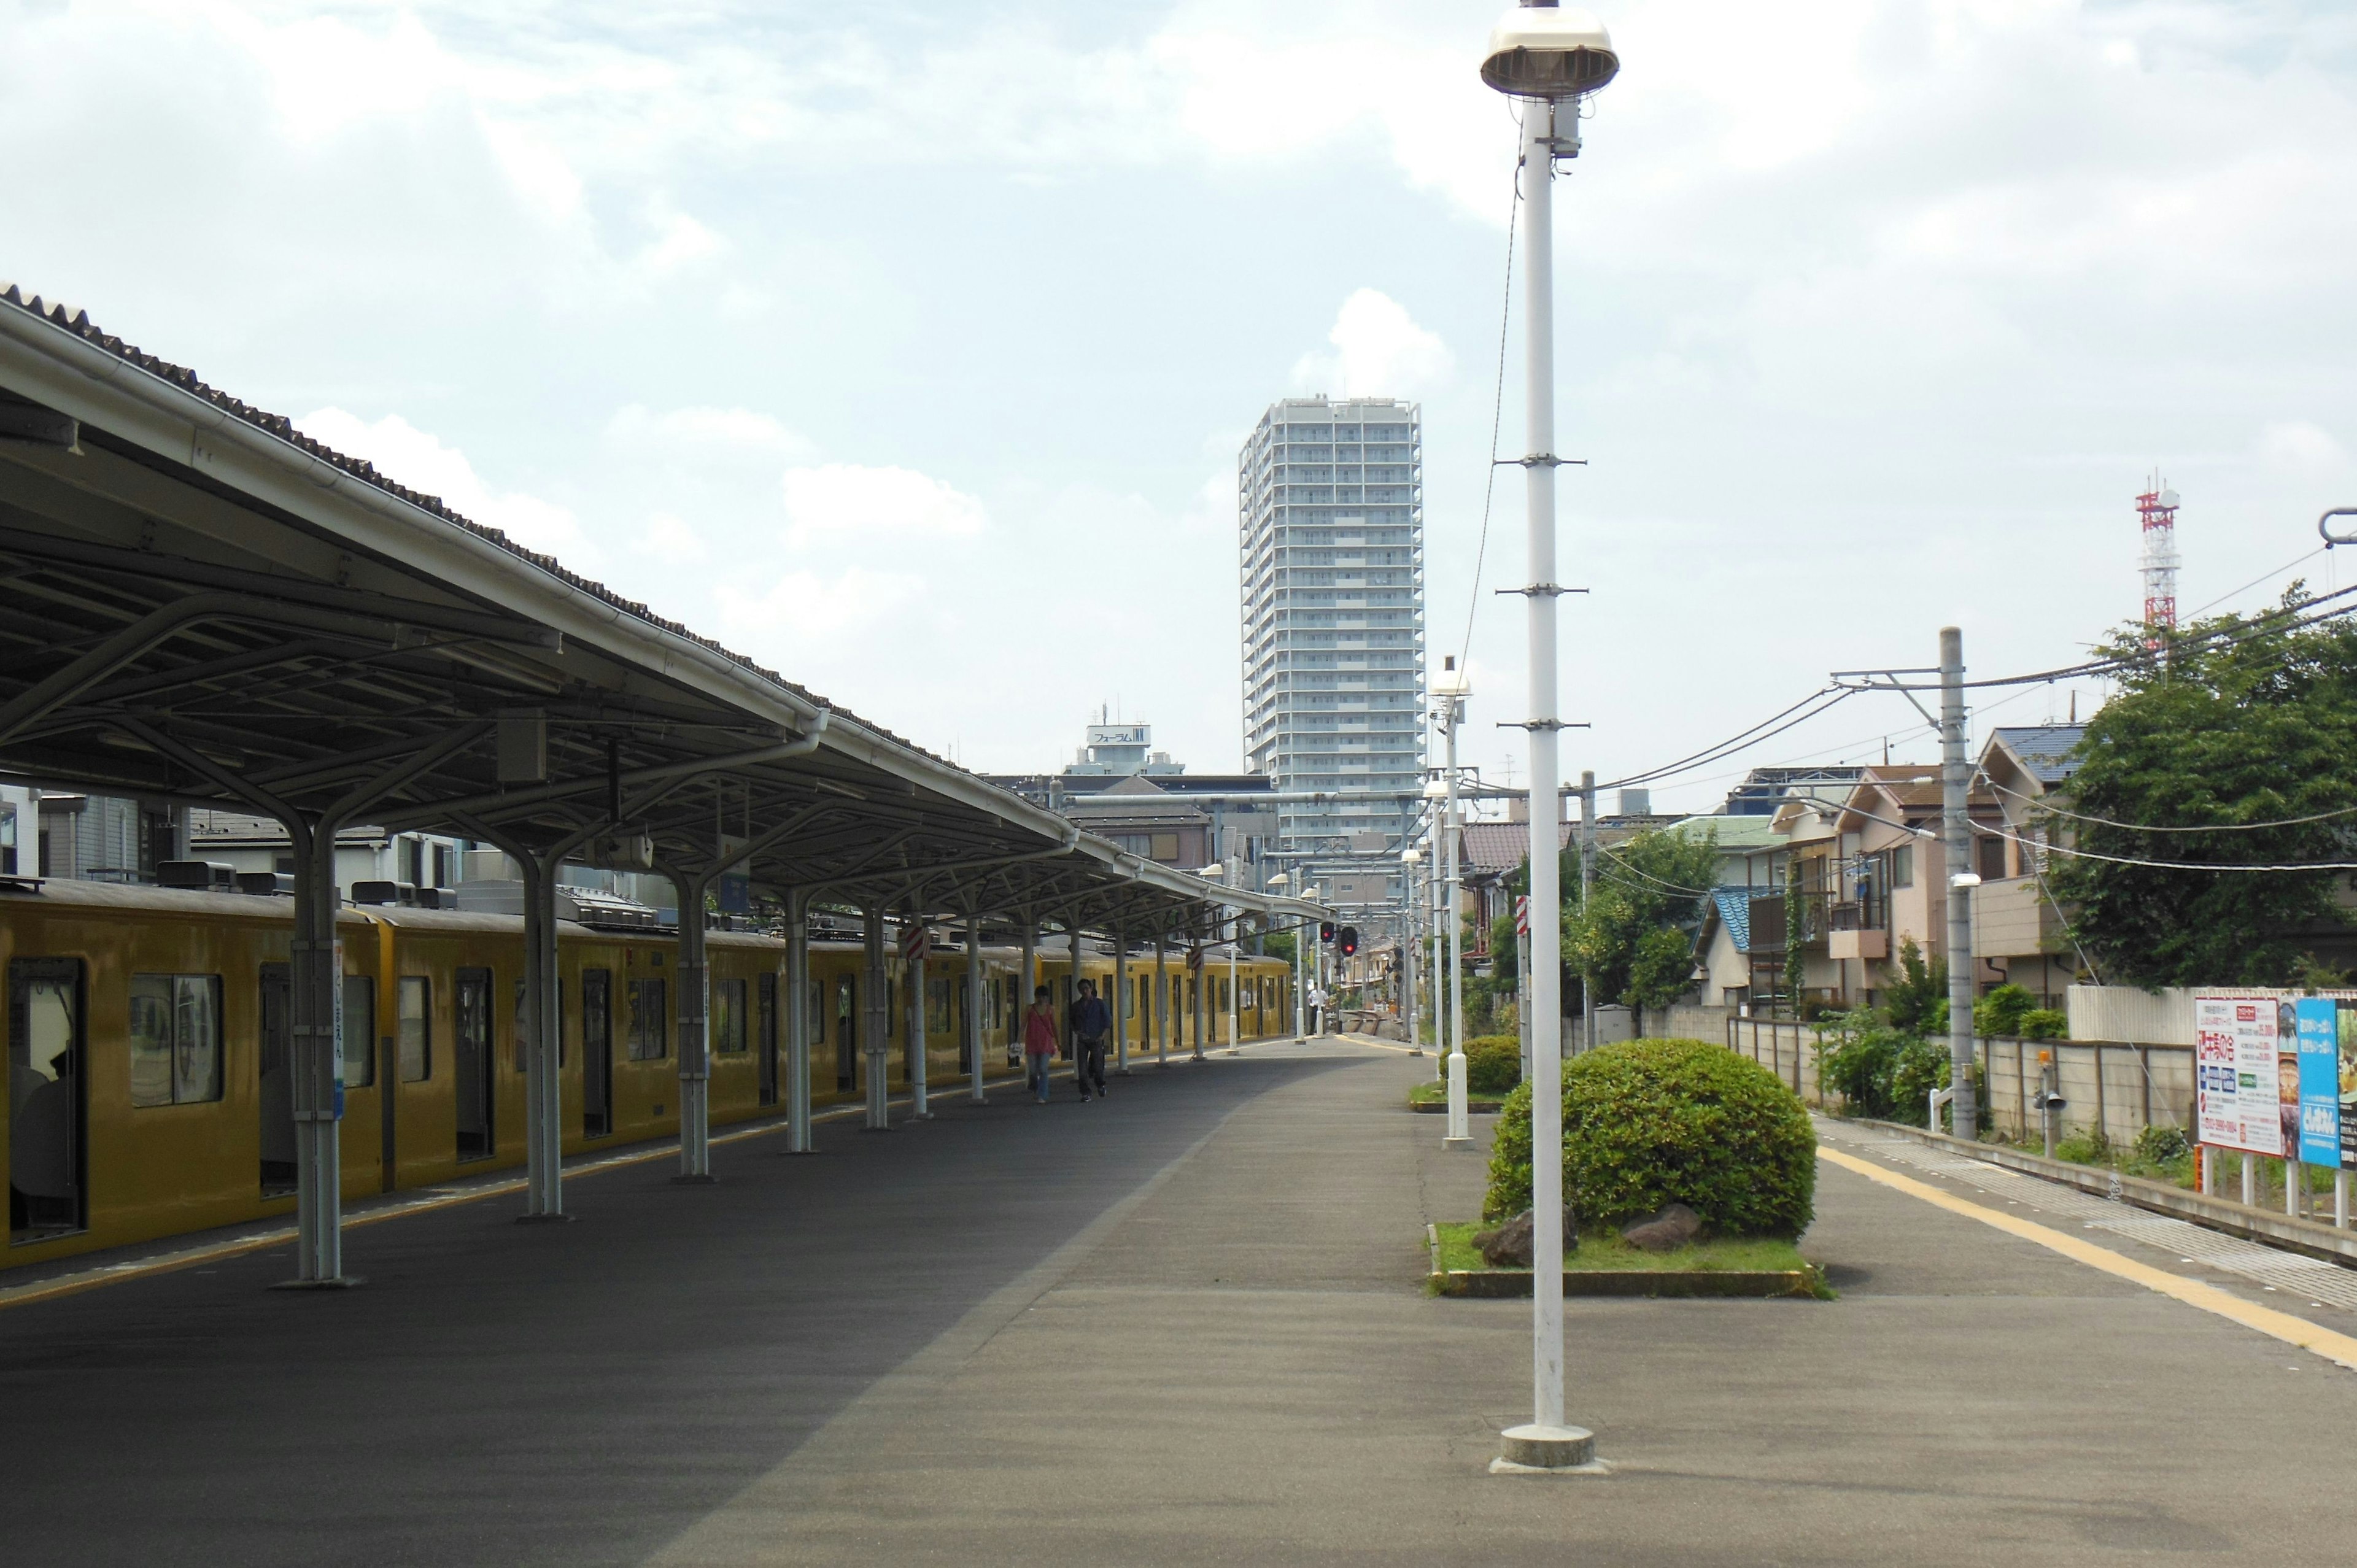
(1667, 1231)
(1508, 1246)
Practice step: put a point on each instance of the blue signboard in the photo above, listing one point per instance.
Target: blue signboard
(2319, 1080)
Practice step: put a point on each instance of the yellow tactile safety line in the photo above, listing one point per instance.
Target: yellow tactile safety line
(114, 1273)
(2336, 1348)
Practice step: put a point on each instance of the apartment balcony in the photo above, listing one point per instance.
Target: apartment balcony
(1858, 930)
(2012, 917)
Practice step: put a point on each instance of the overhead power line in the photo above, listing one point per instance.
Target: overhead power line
(2157, 828)
(2171, 865)
(1496, 418)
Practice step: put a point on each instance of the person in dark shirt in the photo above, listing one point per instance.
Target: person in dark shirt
(1090, 1021)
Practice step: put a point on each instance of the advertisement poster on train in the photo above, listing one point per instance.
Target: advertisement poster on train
(2317, 1022)
(2237, 1080)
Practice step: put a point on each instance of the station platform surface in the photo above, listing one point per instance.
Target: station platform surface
(1185, 1324)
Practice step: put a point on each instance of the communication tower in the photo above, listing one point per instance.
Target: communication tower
(2157, 508)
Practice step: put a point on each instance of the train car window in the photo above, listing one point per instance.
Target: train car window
(175, 1038)
(360, 1031)
(937, 1008)
(417, 1023)
(649, 1020)
(44, 1109)
(728, 1018)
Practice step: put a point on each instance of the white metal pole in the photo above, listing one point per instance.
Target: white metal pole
(1161, 1003)
(1235, 939)
(1540, 121)
(1459, 1133)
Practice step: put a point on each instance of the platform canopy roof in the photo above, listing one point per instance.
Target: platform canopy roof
(203, 605)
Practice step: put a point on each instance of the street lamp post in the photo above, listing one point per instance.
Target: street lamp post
(1449, 692)
(1411, 947)
(1551, 58)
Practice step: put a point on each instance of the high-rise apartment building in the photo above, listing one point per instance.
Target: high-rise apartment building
(1333, 557)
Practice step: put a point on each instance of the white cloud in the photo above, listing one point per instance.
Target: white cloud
(1378, 351)
(672, 539)
(739, 429)
(2300, 446)
(803, 609)
(845, 498)
(420, 461)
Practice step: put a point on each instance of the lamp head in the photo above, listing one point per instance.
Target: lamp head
(1541, 49)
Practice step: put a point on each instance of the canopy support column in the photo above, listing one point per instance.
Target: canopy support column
(875, 1020)
(1161, 1002)
(973, 1007)
(1121, 1000)
(798, 1022)
(1198, 966)
(694, 1036)
(920, 1108)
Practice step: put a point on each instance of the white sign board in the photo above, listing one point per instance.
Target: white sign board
(2238, 1081)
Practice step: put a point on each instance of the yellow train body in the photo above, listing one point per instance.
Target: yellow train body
(147, 1029)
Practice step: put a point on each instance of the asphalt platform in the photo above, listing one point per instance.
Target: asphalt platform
(1184, 1324)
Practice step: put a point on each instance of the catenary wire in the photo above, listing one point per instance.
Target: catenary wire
(2166, 864)
(2154, 828)
(1497, 416)
(2262, 577)
(1824, 698)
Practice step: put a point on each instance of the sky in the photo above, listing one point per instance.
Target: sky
(907, 348)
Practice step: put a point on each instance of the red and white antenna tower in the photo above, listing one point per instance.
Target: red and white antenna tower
(2157, 508)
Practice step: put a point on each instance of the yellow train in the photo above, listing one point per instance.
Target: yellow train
(148, 1040)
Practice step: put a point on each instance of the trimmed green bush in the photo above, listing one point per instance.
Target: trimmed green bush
(2045, 1023)
(1647, 1122)
(1493, 1063)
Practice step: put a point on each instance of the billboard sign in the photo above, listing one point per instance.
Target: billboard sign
(2318, 1019)
(2238, 1079)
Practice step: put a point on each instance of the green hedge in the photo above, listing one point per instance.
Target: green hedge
(1493, 1063)
(1647, 1122)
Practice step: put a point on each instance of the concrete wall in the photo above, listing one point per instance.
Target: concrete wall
(2125, 1013)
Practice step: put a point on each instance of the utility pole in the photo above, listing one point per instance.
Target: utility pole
(1587, 879)
(1452, 688)
(1955, 811)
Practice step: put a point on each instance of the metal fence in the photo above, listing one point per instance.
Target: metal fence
(2122, 1088)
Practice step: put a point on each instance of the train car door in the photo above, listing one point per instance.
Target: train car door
(846, 1009)
(47, 1186)
(471, 1060)
(766, 1020)
(597, 1052)
(275, 1081)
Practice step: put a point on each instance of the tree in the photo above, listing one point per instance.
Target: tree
(1915, 998)
(2236, 722)
(1634, 937)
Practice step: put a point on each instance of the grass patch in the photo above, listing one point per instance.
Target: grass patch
(1432, 1091)
(1610, 1252)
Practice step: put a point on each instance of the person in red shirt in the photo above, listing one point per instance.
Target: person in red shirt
(1039, 1042)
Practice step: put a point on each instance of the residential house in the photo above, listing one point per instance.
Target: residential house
(2017, 927)
(1861, 879)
